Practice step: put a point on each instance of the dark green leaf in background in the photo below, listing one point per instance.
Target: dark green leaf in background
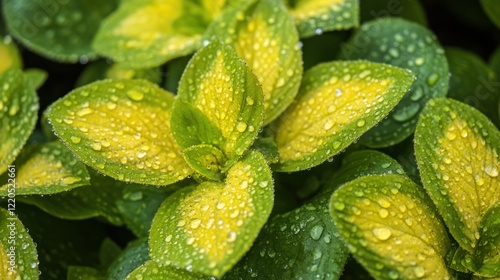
(407, 45)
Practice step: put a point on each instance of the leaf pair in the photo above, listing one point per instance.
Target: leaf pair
(392, 227)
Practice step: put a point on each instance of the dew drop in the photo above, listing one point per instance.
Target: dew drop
(250, 101)
(280, 82)
(406, 113)
(195, 223)
(111, 105)
(84, 112)
(241, 127)
(417, 94)
(339, 206)
(419, 271)
(382, 233)
(316, 232)
(75, 139)
(96, 146)
(361, 123)
(491, 171)
(432, 79)
(383, 213)
(328, 124)
(135, 95)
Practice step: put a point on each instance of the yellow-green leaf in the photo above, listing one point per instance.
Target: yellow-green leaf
(18, 256)
(337, 103)
(221, 86)
(391, 228)
(151, 270)
(46, 169)
(316, 16)
(208, 228)
(135, 144)
(151, 32)
(9, 55)
(263, 34)
(18, 114)
(457, 153)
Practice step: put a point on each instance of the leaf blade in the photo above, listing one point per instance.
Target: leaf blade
(386, 230)
(345, 106)
(227, 93)
(185, 228)
(458, 158)
(148, 157)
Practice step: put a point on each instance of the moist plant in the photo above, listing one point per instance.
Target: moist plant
(247, 139)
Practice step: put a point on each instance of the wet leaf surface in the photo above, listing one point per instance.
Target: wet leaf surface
(391, 227)
(18, 114)
(46, 169)
(313, 17)
(337, 103)
(149, 33)
(209, 227)
(263, 34)
(458, 158)
(61, 30)
(220, 86)
(18, 255)
(407, 45)
(135, 144)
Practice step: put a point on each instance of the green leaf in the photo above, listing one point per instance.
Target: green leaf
(18, 256)
(100, 70)
(304, 243)
(132, 257)
(222, 87)
(300, 244)
(97, 199)
(46, 169)
(151, 270)
(408, 45)
(139, 204)
(208, 228)
(9, 55)
(109, 252)
(60, 30)
(316, 16)
(267, 147)
(362, 163)
(473, 82)
(337, 103)
(391, 227)
(191, 127)
(488, 251)
(263, 34)
(457, 154)
(84, 273)
(492, 9)
(61, 243)
(149, 33)
(18, 114)
(206, 160)
(36, 77)
(408, 9)
(135, 143)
